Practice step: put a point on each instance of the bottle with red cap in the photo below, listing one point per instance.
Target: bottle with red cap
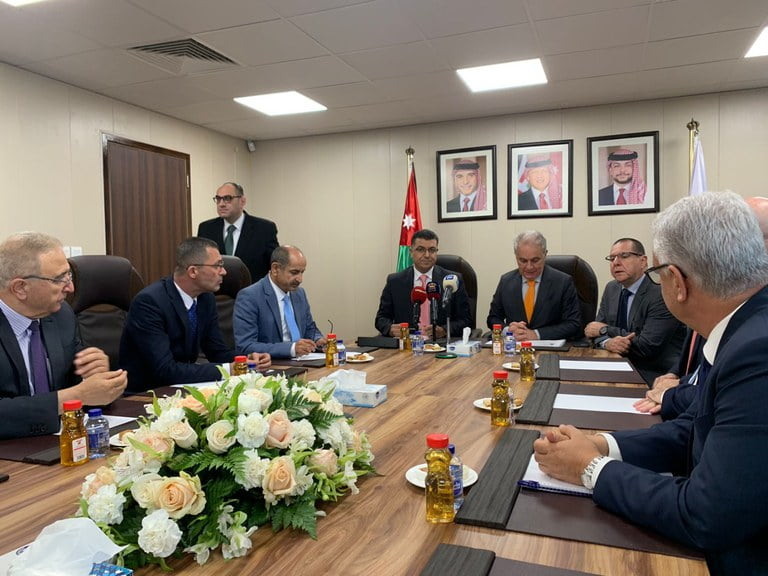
(331, 351)
(500, 399)
(405, 337)
(73, 439)
(438, 484)
(527, 362)
(239, 366)
(497, 340)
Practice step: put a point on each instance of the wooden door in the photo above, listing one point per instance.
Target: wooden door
(147, 204)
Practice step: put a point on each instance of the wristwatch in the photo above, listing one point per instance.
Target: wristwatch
(586, 476)
(603, 330)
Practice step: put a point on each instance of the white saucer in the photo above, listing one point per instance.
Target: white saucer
(417, 474)
(480, 403)
(352, 358)
(515, 366)
(116, 442)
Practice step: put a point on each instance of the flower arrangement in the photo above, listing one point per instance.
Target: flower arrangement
(204, 470)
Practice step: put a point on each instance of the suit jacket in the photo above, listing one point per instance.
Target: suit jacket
(718, 500)
(556, 314)
(658, 335)
(605, 196)
(395, 304)
(526, 201)
(454, 204)
(157, 348)
(22, 414)
(258, 239)
(678, 399)
(258, 325)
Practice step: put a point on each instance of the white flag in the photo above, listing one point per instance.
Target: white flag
(699, 174)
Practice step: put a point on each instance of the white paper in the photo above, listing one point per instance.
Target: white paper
(210, 384)
(311, 356)
(547, 343)
(596, 403)
(595, 365)
(534, 474)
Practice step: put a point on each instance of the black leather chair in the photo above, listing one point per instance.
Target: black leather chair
(104, 288)
(237, 278)
(585, 280)
(468, 276)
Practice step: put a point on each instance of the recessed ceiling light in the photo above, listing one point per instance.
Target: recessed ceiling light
(20, 2)
(281, 103)
(504, 75)
(760, 47)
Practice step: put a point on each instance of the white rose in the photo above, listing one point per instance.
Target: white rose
(159, 535)
(254, 469)
(217, 436)
(303, 435)
(106, 505)
(183, 434)
(252, 430)
(144, 490)
(253, 400)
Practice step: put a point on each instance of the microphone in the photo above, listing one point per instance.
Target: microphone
(450, 286)
(418, 296)
(433, 294)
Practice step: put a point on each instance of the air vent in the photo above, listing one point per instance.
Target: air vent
(186, 56)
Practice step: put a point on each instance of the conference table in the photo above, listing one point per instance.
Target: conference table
(381, 530)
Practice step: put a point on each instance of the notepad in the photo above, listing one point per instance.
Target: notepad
(544, 344)
(535, 479)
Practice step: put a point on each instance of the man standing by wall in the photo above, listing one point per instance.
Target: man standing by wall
(237, 233)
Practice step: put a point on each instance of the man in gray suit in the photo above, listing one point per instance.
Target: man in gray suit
(633, 320)
(273, 315)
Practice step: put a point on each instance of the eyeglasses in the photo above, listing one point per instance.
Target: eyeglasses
(219, 265)
(622, 256)
(226, 199)
(654, 273)
(60, 280)
(422, 250)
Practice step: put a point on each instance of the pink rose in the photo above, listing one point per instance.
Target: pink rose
(280, 478)
(181, 496)
(325, 461)
(280, 429)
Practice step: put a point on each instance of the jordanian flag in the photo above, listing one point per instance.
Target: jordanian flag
(411, 223)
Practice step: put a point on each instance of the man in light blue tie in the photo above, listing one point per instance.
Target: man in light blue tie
(273, 315)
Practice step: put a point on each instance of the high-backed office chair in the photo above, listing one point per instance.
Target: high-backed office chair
(237, 278)
(468, 276)
(585, 281)
(104, 288)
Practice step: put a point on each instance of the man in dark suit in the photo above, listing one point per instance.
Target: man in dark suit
(395, 306)
(273, 315)
(633, 320)
(627, 184)
(237, 233)
(172, 320)
(468, 185)
(42, 361)
(717, 499)
(535, 301)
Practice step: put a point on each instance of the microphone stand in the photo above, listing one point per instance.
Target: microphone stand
(433, 310)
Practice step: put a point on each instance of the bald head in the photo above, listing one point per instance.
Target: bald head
(759, 206)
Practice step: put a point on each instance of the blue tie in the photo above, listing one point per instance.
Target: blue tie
(192, 314)
(37, 362)
(290, 319)
(621, 319)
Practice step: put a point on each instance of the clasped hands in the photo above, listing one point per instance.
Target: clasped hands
(522, 332)
(564, 452)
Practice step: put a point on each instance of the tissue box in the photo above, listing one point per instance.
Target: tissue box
(367, 395)
(462, 349)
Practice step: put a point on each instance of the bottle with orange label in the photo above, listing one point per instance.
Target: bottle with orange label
(73, 439)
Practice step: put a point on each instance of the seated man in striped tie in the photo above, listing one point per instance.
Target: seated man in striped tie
(536, 302)
(633, 320)
(172, 320)
(42, 361)
(273, 315)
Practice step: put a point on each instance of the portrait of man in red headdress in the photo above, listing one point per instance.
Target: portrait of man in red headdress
(466, 184)
(540, 179)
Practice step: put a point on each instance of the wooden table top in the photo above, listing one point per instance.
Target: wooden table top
(382, 530)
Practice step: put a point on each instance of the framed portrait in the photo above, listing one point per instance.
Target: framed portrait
(466, 184)
(623, 173)
(540, 183)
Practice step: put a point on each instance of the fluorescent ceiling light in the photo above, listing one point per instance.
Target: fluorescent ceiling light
(504, 75)
(20, 2)
(760, 47)
(281, 103)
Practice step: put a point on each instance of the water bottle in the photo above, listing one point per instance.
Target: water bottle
(342, 352)
(97, 428)
(510, 345)
(457, 475)
(417, 343)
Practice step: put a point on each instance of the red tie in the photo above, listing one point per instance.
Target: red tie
(543, 205)
(466, 205)
(621, 199)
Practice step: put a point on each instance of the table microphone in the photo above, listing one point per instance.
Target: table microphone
(450, 286)
(418, 296)
(433, 294)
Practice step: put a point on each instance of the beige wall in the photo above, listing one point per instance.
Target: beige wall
(340, 197)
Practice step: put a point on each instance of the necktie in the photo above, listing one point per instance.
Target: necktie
(424, 317)
(466, 205)
(621, 199)
(192, 315)
(621, 316)
(290, 319)
(691, 350)
(530, 299)
(229, 240)
(543, 204)
(37, 362)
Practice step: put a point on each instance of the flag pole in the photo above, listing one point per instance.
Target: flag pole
(693, 132)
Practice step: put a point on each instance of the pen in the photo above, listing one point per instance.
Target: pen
(4, 477)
